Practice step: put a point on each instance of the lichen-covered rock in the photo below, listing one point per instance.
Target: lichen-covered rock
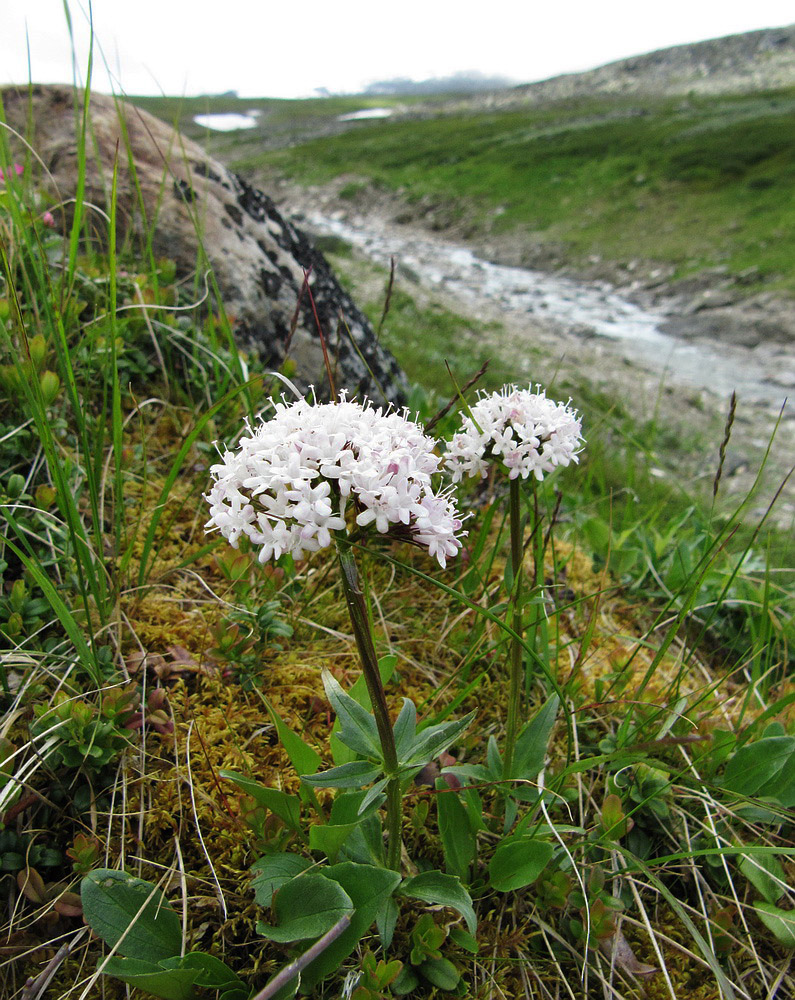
(176, 190)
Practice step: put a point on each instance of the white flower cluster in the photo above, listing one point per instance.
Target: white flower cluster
(527, 432)
(288, 484)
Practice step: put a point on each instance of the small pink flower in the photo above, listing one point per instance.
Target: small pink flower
(19, 170)
(48, 220)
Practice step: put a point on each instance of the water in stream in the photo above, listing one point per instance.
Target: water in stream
(587, 308)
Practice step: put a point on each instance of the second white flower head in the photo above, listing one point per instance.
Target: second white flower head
(524, 430)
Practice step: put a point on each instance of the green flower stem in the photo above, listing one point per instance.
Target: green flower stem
(515, 691)
(538, 622)
(357, 610)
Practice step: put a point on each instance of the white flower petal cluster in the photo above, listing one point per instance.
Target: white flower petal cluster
(289, 482)
(528, 433)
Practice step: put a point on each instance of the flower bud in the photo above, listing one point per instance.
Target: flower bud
(45, 496)
(9, 378)
(167, 271)
(16, 486)
(19, 594)
(38, 350)
(50, 387)
(14, 624)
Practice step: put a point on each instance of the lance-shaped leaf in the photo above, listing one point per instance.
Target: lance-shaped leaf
(286, 807)
(780, 922)
(458, 836)
(358, 730)
(435, 739)
(517, 863)
(405, 728)
(355, 774)
(442, 890)
(531, 746)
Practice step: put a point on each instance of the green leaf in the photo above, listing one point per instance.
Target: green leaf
(462, 939)
(781, 923)
(764, 768)
(237, 993)
(439, 972)
(368, 888)
(518, 863)
(471, 773)
(405, 982)
(365, 842)
(286, 807)
(765, 874)
(132, 914)
(358, 730)
(347, 808)
(359, 692)
(494, 759)
(304, 758)
(330, 837)
(782, 786)
(458, 837)
(168, 984)
(405, 728)
(212, 973)
(531, 745)
(374, 795)
(440, 889)
(354, 774)
(386, 920)
(287, 991)
(307, 907)
(436, 739)
(272, 872)
(64, 614)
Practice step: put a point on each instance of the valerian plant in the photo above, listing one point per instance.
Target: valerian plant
(313, 476)
(524, 434)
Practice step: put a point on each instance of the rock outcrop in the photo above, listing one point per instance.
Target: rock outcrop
(258, 259)
(751, 61)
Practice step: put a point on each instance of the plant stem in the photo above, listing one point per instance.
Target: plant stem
(515, 691)
(538, 621)
(357, 610)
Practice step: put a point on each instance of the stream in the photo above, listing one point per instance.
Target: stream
(621, 344)
(585, 309)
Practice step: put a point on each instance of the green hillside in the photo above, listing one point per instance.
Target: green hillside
(696, 182)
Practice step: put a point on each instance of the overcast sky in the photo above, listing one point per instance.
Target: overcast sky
(279, 48)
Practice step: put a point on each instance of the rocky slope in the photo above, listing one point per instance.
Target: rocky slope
(745, 63)
(754, 60)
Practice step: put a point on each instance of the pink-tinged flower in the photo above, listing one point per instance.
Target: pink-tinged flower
(521, 429)
(18, 169)
(48, 219)
(289, 484)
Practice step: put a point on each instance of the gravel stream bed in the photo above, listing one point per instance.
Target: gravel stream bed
(553, 326)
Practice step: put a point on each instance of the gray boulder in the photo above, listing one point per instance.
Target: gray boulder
(177, 191)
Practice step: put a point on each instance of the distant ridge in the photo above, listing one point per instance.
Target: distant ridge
(467, 81)
(751, 61)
